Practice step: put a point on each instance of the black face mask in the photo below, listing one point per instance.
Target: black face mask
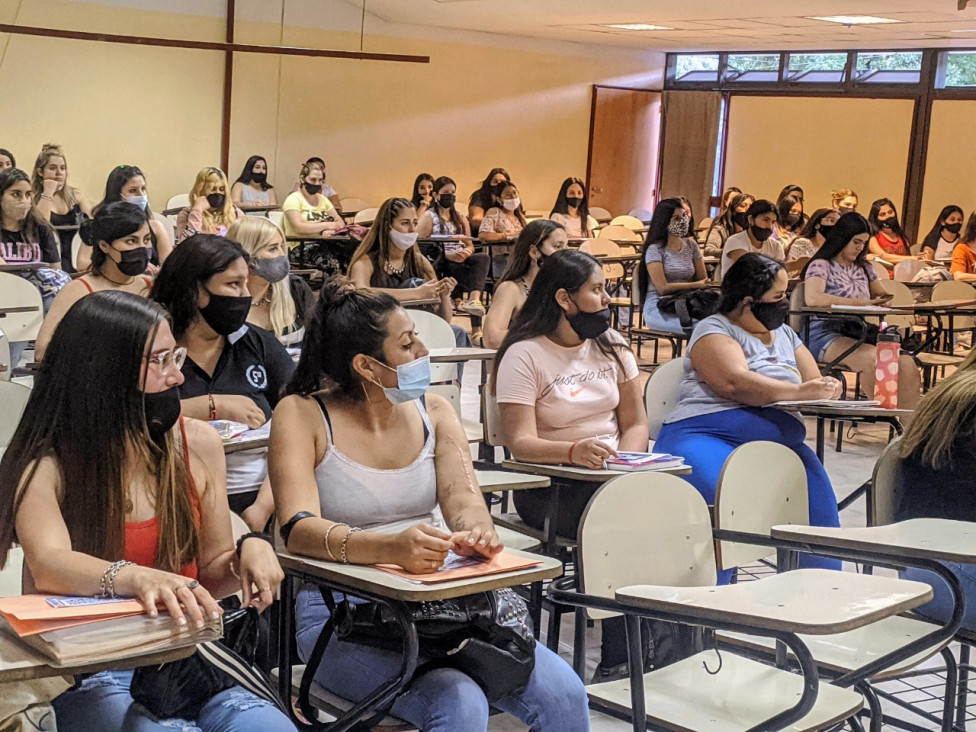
(259, 177)
(844, 210)
(792, 219)
(825, 230)
(741, 219)
(226, 313)
(447, 200)
(891, 223)
(216, 200)
(162, 412)
(574, 202)
(760, 234)
(313, 189)
(771, 314)
(589, 325)
(953, 228)
(133, 261)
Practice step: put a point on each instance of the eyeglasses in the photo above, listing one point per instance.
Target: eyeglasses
(166, 360)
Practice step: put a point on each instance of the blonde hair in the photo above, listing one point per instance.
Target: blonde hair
(254, 234)
(946, 415)
(48, 151)
(228, 214)
(839, 195)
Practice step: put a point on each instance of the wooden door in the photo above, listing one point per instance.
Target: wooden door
(624, 132)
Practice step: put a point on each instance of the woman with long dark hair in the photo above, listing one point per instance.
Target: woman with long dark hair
(144, 515)
(483, 198)
(539, 239)
(672, 264)
(839, 274)
(572, 209)
(812, 236)
(366, 468)
(942, 239)
(423, 193)
(888, 241)
(251, 187)
(731, 221)
(757, 237)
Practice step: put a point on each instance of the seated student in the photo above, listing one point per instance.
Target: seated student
(232, 371)
(327, 190)
(788, 222)
(938, 461)
(503, 222)
(7, 160)
(211, 211)
(843, 200)
(839, 274)
(281, 303)
(483, 198)
(731, 221)
(672, 264)
(888, 241)
(813, 235)
(963, 265)
(367, 469)
(539, 240)
(251, 187)
(942, 239)
(128, 183)
(56, 201)
(572, 209)
(791, 190)
(423, 190)
(757, 237)
(737, 363)
(121, 244)
(308, 212)
(144, 515)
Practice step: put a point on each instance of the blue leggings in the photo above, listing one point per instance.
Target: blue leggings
(706, 442)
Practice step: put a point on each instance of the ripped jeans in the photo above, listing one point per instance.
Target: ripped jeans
(103, 702)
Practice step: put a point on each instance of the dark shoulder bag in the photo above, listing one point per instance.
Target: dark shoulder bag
(691, 305)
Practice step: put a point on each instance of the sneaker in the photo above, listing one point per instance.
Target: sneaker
(474, 307)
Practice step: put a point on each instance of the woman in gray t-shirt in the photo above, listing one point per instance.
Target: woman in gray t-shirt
(738, 362)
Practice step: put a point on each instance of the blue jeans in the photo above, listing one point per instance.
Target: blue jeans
(940, 606)
(654, 319)
(103, 702)
(705, 442)
(445, 699)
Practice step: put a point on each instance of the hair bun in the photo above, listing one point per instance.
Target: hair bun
(335, 290)
(87, 231)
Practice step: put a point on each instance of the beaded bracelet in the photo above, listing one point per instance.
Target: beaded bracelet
(213, 407)
(253, 535)
(325, 541)
(342, 549)
(107, 582)
(571, 448)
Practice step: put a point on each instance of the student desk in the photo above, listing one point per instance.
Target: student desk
(247, 441)
(333, 245)
(852, 314)
(21, 267)
(824, 413)
(394, 592)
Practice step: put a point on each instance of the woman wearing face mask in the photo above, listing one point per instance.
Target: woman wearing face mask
(572, 209)
(843, 200)
(737, 363)
(280, 302)
(839, 274)
(423, 193)
(56, 201)
(963, 265)
(888, 242)
(308, 212)
(7, 160)
(120, 242)
(569, 391)
(128, 183)
(539, 239)
(483, 198)
(761, 218)
(106, 487)
(789, 220)
(942, 239)
(732, 221)
(211, 210)
(368, 469)
(251, 187)
(813, 235)
(327, 190)
(502, 223)
(672, 264)
(232, 371)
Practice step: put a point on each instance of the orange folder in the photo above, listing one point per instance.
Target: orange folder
(457, 567)
(32, 614)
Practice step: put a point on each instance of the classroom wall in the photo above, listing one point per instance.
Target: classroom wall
(484, 100)
(820, 144)
(948, 170)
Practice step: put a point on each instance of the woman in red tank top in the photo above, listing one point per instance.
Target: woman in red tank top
(888, 242)
(106, 487)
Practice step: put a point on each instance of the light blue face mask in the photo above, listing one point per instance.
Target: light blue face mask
(413, 379)
(140, 201)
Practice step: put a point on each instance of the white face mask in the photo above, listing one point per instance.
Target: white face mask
(403, 240)
(512, 203)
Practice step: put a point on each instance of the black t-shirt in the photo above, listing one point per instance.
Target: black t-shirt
(949, 493)
(15, 255)
(252, 364)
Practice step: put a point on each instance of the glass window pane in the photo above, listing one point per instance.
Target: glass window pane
(696, 67)
(753, 67)
(911, 61)
(816, 68)
(960, 68)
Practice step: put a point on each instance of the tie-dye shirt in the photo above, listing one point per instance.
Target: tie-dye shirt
(852, 281)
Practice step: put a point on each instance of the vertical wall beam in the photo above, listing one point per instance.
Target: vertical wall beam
(228, 91)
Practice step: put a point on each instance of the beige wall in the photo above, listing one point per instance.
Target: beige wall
(948, 173)
(482, 101)
(820, 144)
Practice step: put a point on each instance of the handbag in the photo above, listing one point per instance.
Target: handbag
(181, 688)
(691, 305)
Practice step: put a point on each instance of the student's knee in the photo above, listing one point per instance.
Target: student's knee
(444, 699)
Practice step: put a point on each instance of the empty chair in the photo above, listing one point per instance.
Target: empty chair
(880, 270)
(641, 213)
(168, 221)
(620, 234)
(905, 271)
(16, 292)
(366, 216)
(600, 214)
(180, 200)
(631, 222)
(353, 205)
(13, 399)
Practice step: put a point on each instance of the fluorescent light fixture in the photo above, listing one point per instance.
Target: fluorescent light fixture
(964, 31)
(637, 26)
(854, 19)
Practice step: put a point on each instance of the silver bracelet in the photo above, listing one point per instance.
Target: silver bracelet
(325, 541)
(107, 583)
(342, 549)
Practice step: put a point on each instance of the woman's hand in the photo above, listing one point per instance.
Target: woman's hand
(826, 387)
(446, 286)
(591, 453)
(259, 571)
(421, 549)
(153, 586)
(479, 541)
(51, 186)
(459, 256)
(237, 408)
(428, 291)
(202, 203)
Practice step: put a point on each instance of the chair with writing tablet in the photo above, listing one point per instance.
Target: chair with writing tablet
(13, 400)
(435, 332)
(661, 393)
(366, 216)
(930, 363)
(956, 290)
(352, 205)
(600, 214)
(646, 549)
(642, 214)
(6, 368)
(21, 308)
(631, 222)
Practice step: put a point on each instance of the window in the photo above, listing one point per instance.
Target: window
(691, 67)
(742, 67)
(888, 68)
(960, 68)
(816, 68)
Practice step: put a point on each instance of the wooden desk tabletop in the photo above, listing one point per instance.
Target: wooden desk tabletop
(377, 581)
(816, 410)
(20, 309)
(258, 209)
(939, 539)
(239, 444)
(461, 355)
(866, 310)
(7, 267)
(420, 303)
(316, 237)
(571, 472)
(501, 480)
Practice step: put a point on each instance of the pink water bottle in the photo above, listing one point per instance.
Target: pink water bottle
(886, 369)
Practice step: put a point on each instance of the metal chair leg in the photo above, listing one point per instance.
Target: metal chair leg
(962, 692)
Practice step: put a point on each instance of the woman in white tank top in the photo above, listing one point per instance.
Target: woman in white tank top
(368, 470)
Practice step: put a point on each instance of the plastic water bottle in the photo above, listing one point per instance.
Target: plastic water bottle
(888, 351)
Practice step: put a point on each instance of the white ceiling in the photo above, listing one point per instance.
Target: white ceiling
(698, 24)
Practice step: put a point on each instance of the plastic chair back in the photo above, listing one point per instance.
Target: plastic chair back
(491, 418)
(168, 221)
(753, 500)
(6, 368)
(180, 200)
(956, 290)
(620, 233)
(886, 486)
(641, 213)
(435, 332)
(11, 576)
(353, 205)
(278, 217)
(631, 222)
(661, 393)
(16, 292)
(901, 296)
(797, 303)
(366, 216)
(13, 399)
(905, 271)
(606, 248)
(600, 213)
(880, 270)
(76, 245)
